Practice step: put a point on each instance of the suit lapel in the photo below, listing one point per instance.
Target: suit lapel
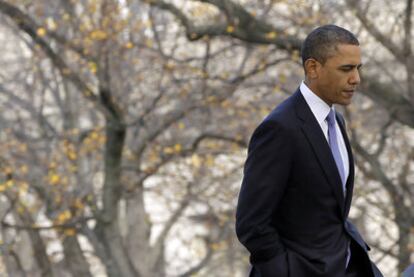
(320, 146)
(350, 180)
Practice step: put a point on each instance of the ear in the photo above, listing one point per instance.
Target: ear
(312, 68)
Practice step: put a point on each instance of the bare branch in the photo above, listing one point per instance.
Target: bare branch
(39, 228)
(393, 48)
(242, 25)
(200, 265)
(383, 137)
(388, 97)
(29, 26)
(407, 28)
(376, 170)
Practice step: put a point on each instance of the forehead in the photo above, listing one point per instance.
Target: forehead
(346, 53)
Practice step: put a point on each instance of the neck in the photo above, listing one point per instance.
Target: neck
(312, 86)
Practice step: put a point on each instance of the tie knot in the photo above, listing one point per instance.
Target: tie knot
(331, 118)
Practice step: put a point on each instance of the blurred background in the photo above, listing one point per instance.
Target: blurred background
(124, 126)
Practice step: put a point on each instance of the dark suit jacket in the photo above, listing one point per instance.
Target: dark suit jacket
(292, 213)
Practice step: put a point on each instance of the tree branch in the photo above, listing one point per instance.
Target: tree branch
(29, 26)
(407, 28)
(242, 25)
(393, 101)
(393, 48)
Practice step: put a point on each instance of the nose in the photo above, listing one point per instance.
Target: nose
(354, 79)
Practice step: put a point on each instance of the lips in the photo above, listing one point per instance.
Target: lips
(348, 94)
(349, 91)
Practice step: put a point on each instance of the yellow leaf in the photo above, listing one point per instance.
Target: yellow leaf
(41, 32)
(78, 204)
(58, 199)
(149, 43)
(93, 67)
(70, 232)
(129, 45)
(7, 170)
(64, 216)
(98, 35)
(169, 66)
(54, 179)
(181, 126)
(276, 88)
(195, 160)
(153, 156)
(66, 71)
(51, 24)
(72, 155)
(225, 103)
(271, 35)
(178, 147)
(23, 187)
(296, 55)
(264, 111)
(75, 131)
(149, 170)
(66, 17)
(224, 75)
(210, 161)
(230, 29)
(23, 147)
(92, 7)
(147, 23)
(9, 183)
(168, 150)
(2, 187)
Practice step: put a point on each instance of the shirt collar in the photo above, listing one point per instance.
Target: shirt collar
(318, 107)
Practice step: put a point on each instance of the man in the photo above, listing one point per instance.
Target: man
(299, 174)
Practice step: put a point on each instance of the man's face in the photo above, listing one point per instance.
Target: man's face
(339, 76)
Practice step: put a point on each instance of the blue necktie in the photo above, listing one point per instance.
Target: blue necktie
(333, 143)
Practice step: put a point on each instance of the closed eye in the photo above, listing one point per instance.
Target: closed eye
(349, 68)
(346, 69)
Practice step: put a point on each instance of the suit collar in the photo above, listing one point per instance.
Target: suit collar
(320, 146)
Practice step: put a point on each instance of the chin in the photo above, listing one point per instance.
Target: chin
(343, 102)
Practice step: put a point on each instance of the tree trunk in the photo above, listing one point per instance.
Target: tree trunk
(74, 258)
(404, 251)
(138, 234)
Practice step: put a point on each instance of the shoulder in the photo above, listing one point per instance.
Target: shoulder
(278, 123)
(284, 115)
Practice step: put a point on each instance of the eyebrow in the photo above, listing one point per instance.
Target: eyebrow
(349, 66)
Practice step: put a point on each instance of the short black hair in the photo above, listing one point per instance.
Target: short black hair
(321, 43)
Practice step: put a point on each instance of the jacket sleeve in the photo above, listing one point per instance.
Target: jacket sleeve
(266, 174)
